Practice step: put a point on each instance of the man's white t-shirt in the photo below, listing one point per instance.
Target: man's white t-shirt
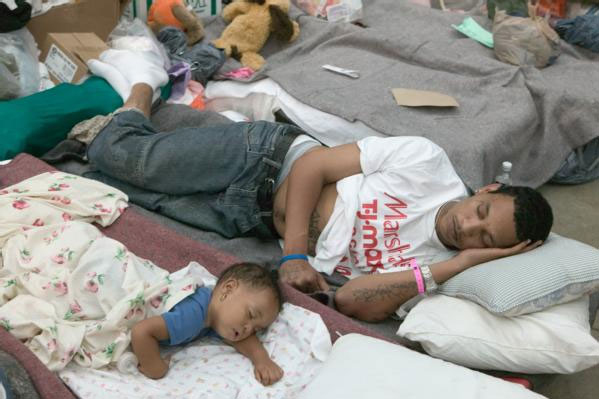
(385, 216)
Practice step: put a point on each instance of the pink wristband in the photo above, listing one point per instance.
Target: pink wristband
(418, 276)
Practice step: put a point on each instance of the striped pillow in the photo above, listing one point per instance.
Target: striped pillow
(559, 271)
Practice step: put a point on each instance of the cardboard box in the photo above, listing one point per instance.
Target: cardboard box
(65, 55)
(97, 16)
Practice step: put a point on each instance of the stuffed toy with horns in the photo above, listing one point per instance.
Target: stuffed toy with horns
(250, 24)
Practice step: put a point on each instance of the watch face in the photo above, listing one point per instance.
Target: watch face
(429, 281)
(426, 271)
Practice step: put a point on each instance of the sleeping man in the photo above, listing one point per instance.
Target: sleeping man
(378, 211)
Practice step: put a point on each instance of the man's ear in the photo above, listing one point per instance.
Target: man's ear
(488, 188)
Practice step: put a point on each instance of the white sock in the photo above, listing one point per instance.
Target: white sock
(112, 76)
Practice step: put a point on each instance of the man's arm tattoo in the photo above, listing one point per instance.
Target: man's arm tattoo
(384, 291)
(313, 232)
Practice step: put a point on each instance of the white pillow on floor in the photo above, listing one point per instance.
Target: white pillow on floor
(555, 340)
(361, 367)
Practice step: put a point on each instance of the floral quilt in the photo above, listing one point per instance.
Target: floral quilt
(67, 291)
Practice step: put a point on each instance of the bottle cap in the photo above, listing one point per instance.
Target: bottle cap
(507, 166)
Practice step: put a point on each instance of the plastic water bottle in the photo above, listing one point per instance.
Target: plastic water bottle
(127, 363)
(504, 177)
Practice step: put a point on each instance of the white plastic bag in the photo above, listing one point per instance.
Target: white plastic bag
(9, 72)
(135, 35)
(21, 44)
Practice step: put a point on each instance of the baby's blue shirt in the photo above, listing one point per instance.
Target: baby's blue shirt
(185, 320)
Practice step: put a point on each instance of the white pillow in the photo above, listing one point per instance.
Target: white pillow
(362, 367)
(559, 271)
(555, 340)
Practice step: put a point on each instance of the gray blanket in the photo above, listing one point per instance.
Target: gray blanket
(531, 117)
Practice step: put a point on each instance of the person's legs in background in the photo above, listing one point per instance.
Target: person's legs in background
(207, 176)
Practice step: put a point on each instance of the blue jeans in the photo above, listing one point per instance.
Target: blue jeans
(208, 177)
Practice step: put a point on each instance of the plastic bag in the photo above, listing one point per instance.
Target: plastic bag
(525, 41)
(9, 75)
(332, 10)
(21, 45)
(135, 35)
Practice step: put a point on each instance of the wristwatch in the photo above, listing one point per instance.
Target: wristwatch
(429, 282)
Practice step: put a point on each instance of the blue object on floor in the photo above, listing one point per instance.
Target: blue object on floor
(5, 390)
(581, 166)
(582, 30)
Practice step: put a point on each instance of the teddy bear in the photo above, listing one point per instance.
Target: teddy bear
(250, 24)
(175, 13)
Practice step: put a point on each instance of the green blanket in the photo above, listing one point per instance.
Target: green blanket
(36, 123)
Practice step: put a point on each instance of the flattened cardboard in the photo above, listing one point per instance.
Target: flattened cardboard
(422, 98)
(65, 55)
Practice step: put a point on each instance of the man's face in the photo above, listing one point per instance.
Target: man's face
(242, 310)
(481, 221)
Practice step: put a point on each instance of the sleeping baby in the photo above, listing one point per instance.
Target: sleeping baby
(246, 299)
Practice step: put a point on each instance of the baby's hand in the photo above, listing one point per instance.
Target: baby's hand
(267, 372)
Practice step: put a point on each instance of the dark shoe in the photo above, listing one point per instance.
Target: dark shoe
(327, 298)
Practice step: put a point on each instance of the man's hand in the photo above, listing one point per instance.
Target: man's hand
(299, 274)
(267, 372)
(476, 256)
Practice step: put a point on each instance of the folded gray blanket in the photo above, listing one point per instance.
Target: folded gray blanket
(531, 117)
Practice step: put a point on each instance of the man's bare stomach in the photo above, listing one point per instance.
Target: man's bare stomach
(319, 218)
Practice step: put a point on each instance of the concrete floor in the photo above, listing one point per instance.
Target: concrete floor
(576, 215)
(575, 210)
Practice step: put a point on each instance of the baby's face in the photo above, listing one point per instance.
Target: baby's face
(241, 310)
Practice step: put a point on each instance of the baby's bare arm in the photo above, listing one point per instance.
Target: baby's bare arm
(265, 370)
(144, 341)
(251, 347)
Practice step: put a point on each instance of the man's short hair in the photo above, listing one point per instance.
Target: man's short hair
(254, 276)
(532, 213)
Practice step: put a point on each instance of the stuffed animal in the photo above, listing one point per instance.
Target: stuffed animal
(175, 13)
(250, 24)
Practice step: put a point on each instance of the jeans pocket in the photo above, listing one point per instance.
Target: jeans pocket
(260, 137)
(240, 207)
